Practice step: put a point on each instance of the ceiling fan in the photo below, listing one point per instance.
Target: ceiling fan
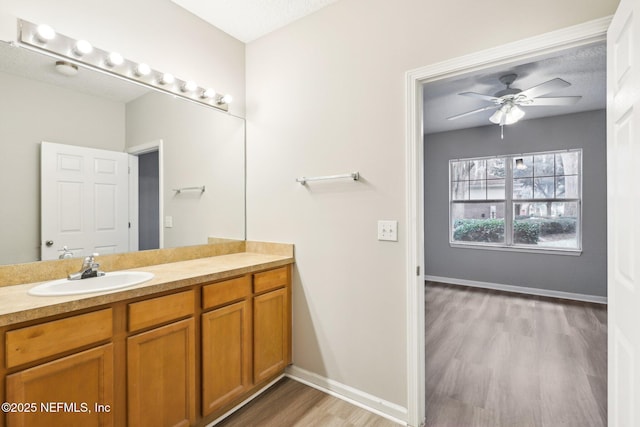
(508, 101)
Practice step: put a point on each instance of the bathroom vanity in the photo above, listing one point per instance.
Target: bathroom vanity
(179, 350)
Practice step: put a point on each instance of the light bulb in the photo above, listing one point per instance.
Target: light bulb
(189, 86)
(167, 79)
(142, 70)
(227, 99)
(114, 59)
(208, 93)
(44, 33)
(82, 47)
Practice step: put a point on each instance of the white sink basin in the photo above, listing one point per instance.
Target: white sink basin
(108, 282)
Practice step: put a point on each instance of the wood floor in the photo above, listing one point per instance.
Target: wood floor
(499, 359)
(494, 359)
(290, 403)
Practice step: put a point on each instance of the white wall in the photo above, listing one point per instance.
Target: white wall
(157, 32)
(33, 112)
(201, 146)
(326, 95)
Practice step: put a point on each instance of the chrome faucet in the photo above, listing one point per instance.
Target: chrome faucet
(89, 269)
(66, 253)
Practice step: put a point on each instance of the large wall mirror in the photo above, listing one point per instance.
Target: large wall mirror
(177, 145)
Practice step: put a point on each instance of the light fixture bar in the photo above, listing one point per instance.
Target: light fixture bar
(81, 52)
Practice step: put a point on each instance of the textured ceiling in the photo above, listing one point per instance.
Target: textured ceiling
(584, 67)
(248, 20)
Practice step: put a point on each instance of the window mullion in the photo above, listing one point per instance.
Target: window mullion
(508, 208)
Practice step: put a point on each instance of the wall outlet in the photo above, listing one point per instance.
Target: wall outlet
(388, 230)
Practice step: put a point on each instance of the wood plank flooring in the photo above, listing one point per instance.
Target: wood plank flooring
(290, 403)
(499, 359)
(494, 359)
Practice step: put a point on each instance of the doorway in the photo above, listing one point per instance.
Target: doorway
(590, 32)
(530, 214)
(146, 202)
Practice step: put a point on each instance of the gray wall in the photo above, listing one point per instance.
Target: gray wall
(585, 274)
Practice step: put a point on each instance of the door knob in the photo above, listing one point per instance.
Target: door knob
(49, 243)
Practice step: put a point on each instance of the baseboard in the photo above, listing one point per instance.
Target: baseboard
(386, 409)
(244, 402)
(519, 289)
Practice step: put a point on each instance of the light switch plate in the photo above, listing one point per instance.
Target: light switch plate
(168, 222)
(388, 230)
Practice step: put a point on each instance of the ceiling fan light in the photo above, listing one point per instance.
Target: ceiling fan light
(508, 114)
(515, 114)
(497, 117)
(509, 120)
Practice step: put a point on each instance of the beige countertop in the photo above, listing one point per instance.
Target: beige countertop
(16, 305)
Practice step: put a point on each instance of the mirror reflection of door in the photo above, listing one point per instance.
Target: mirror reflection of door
(84, 201)
(98, 201)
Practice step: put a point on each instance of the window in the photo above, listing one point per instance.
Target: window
(530, 202)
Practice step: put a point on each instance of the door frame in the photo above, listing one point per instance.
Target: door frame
(137, 150)
(586, 33)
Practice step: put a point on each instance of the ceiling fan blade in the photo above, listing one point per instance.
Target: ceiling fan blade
(560, 100)
(480, 96)
(545, 88)
(489, 107)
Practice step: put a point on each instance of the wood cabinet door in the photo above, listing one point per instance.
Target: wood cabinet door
(76, 390)
(271, 334)
(161, 376)
(226, 355)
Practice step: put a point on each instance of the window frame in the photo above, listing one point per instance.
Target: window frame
(509, 201)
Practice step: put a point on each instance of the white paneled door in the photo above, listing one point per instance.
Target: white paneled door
(623, 199)
(84, 200)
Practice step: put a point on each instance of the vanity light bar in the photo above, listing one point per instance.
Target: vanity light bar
(43, 38)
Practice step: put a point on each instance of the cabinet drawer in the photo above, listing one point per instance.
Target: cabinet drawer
(221, 293)
(271, 279)
(51, 338)
(160, 310)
